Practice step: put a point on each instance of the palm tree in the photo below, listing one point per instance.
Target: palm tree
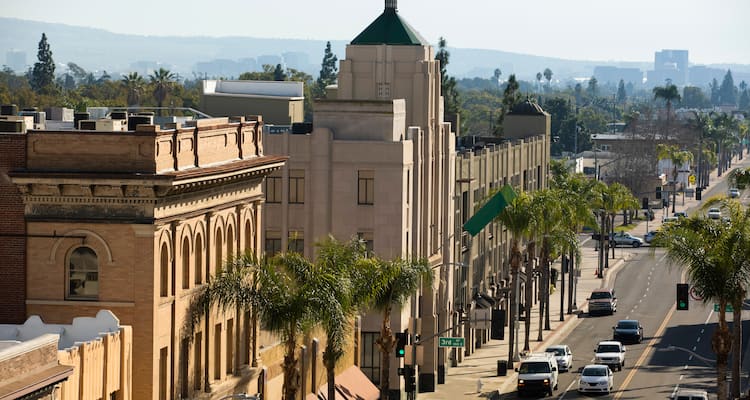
(162, 82)
(516, 218)
(714, 255)
(397, 281)
(134, 84)
(287, 292)
(539, 80)
(668, 93)
(678, 158)
(702, 123)
(347, 285)
(548, 76)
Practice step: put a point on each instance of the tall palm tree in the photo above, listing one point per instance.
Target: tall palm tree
(702, 124)
(714, 255)
(668, 93)
(516, 218)
(347, 285)
(678, 158)
(134, 84)
(162, 81)
(397, 280)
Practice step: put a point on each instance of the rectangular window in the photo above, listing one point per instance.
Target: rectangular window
(368, 239)
(163, 381)
(198, 357)
(273, 243)
(384, 90)
(273, 189)
(296, 186)
(296, 242)
(230, 347)
(366, 187)
(370, 365)
(217, 352)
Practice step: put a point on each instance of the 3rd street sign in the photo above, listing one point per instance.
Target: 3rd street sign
(451, 342)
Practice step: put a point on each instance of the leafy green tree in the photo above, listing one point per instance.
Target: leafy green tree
(578, 92)
(744, 104)
(714, 256)
(134, 84)
(279, 74)
(162, 83)
(496, 75)
(677, 157)
(511, 97)
(622, 95)
(448, 83)
(328, 71)
(715, 92)
(693, 97)
(397, 280)
(593, 87)
(43, 73)
(265, 75)
(727, 91)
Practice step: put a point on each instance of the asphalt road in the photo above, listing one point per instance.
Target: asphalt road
(645, 288)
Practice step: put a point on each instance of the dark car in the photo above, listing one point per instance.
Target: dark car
(628, 331)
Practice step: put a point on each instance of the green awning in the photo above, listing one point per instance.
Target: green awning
(493, 208)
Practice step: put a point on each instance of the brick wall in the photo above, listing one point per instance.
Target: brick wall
(12, 249)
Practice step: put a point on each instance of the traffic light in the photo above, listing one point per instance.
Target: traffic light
(682, 296)
(497, 326)
(410, 380)
(401, 338)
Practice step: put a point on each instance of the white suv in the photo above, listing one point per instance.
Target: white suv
(610, 353)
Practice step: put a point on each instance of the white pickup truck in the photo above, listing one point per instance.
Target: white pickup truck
(610, 353)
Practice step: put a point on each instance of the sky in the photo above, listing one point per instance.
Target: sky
(602, 30)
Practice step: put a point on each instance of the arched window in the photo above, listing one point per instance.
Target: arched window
(230, 243)
(164, 275)
(83, 275)
(198, 260)
(248, 236)
(186, 263)
(217, 249)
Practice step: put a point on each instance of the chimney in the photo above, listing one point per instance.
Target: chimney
(391, 5)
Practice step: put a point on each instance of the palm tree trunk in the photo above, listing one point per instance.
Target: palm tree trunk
(529, 295)
(291, 374)
(546, 293)
(330, 363)
(512, 314)
(736, 346)
(571, 280)
(563, 267)
(721, 343)
(386, 343)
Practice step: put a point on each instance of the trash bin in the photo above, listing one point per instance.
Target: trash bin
(502, 367)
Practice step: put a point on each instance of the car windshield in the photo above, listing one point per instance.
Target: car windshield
(608, 348)
(594, 371)
(534, 368)
(601, 295)
(559, 351)
(627, 325)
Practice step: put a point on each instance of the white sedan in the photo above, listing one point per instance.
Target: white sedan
(596, 379)
(563, 356)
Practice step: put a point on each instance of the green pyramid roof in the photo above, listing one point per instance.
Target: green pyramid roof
(391, 29)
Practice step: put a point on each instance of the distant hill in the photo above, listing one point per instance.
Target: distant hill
(98, 50)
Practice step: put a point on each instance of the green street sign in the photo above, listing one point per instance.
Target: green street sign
(728, 309)
(451, 342)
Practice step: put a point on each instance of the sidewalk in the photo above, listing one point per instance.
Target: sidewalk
(463, 381)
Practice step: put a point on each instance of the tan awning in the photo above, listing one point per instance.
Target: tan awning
(351, 384)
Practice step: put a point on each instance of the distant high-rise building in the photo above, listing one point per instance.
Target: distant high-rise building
(16, 60)
(609, 74)
(669, 65)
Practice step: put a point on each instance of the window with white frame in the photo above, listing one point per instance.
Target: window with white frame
(83, 274)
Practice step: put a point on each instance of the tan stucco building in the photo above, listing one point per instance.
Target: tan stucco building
(136, 222)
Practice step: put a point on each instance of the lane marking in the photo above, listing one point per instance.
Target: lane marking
(710, 314)
(686, 366)
(702, 329)
(690, 358)
(699, 339)
(682, 376)
(674, 392)
(562, 395)
(693, 348)
(646, 353)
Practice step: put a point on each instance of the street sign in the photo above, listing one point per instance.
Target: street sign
(694, 294)
(691, 179)
(451, 342)
(728, 309)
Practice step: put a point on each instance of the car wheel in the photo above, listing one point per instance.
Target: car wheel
(554, 387)
(550, 392)
(636, 244)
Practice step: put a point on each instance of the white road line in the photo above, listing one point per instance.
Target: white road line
(674, 392)
(694, 348)
(562, 395)
(699, 339)
(686, 366)
(640, 300)
(635, 306)
(709, 317)
(682, 376)
(702, 330)
(690, 358)
(644, 295)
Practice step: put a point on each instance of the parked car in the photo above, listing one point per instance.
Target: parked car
(668, 219)
(688, 394)
(628, 331)
(734, 193)
(714, 213)
(602, 301)
(610, 353)
(563, 355)
(596, 378)
(649, 236)
(649, 214)
(626, 239)
(680, 214)
(537, 374)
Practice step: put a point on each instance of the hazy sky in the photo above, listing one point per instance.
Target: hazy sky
(714, 31)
